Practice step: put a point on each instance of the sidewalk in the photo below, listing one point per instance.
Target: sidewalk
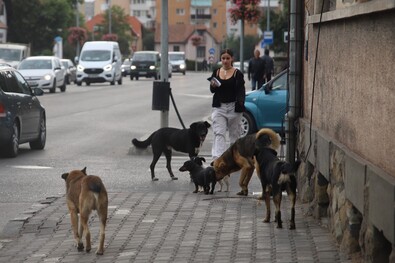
(172, 227)
(164, 226)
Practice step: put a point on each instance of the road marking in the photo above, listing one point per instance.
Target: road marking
(195, 95)
(30, 167)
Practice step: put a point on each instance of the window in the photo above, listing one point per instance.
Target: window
(201, 52)
(176, 48)
(21, 82)
(180, 11)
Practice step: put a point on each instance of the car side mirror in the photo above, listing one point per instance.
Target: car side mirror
(76, 60)
(267, 89)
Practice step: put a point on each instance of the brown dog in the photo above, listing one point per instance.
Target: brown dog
(240, 156)
(85, 193)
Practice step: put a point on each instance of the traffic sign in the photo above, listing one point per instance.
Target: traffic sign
(268, 37)
(211, 51)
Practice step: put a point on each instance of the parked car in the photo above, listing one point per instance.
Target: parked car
(45, 72)
(147, 64)
(266, 107)
(177, 61)
(22, 117)
(71, 70)
(125, 68)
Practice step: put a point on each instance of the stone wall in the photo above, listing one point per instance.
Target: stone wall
(350, 196)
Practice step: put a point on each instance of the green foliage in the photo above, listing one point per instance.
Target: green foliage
(38, 22)
(233, 43)
(119, 27)
(279, 23)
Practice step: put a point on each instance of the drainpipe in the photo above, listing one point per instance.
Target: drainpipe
(294, 75)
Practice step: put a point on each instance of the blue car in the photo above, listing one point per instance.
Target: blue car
(266, 107)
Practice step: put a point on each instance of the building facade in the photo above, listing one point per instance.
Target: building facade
(347, 174)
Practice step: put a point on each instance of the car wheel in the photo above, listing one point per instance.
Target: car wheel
(79, 83)
(137, 77)
(67, 79)
(120, 81)
(248, 125)
(11, 149)
(39, 144)
(183, 73)
(157, 76)
(63, 87)
(53, 89)
(88, 83)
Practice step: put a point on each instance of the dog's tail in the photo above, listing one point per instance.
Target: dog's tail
(143, 144)
(267, 138)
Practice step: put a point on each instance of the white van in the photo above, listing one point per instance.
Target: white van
(99, 61)
(177, 61)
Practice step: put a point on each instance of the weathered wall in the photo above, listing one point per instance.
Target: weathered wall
(346, 145)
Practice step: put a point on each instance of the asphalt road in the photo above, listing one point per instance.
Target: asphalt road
(93, 126)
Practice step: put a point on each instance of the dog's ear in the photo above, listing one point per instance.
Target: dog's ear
(84, 171)
(212, 163)
(202, 159)
(192, 126)
(64, 176)
(207, 124)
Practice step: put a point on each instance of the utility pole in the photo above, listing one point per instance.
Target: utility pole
(164, 70)
(77, 22)
(109, 17)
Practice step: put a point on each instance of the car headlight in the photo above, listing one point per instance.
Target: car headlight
(151, 67)
(47, 77)
(182, 66)
(80, 68)
(133, 67)
(108, 67)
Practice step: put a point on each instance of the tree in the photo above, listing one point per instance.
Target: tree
(38, 22)
(119, 27)
(279, 23)
(244, 10)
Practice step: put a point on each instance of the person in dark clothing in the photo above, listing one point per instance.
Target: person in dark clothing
(256, 71)
(269, 65)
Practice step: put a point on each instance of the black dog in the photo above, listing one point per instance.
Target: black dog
(276, 176)
(182, 140)
(200, 176)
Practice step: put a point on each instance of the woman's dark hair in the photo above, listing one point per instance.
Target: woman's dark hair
(227, 51)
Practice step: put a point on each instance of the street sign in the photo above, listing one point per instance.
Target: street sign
(211, 51)
(268, 37)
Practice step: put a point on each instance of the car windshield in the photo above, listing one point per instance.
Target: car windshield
(176, 57)
(35, 64)
(96, 55)
(10, 54)
(144, 57)
(65, 64)
(280, 83)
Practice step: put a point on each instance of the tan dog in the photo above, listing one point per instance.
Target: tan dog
(240, 156)
(85, 193)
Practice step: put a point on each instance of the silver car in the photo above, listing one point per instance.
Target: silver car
(45, 72)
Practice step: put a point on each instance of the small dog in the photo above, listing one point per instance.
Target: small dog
(85, 193)
(240, 156)
(183, 140)
(200, 176)
(276, 176)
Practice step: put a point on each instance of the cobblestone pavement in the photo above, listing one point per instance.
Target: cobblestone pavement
(170, 227)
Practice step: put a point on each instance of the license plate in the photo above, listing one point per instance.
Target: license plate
(32, 83)
(92, 76)
(142, 73)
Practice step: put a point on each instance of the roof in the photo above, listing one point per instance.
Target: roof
(133, 22)
(180, 33)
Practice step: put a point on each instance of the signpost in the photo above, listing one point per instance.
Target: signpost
(267, 38)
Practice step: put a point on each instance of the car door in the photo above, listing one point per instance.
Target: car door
(59, 72)
(272, 104)
(18, 102)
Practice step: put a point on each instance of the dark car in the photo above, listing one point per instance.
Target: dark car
(22, 117)
(71, 71)
(147, 64)
(266, 107)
